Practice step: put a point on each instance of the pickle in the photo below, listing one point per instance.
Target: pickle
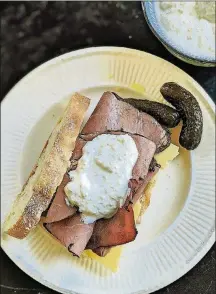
(190, 112)
(164, 114)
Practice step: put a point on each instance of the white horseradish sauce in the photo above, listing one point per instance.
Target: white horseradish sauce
(190, 25)
(99, 185)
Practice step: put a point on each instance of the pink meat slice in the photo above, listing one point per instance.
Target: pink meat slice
(59, 209)
(140, 190)
(120, 229)
(112, 114)
(72, 233)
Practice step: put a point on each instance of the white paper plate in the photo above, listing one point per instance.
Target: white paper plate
(179, 226)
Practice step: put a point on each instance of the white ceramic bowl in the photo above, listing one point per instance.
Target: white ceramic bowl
(149, 9)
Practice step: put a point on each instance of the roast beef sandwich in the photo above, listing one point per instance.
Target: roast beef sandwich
(87, 182)
(93, 206)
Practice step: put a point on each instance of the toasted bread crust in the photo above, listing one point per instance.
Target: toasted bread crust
(50, 169)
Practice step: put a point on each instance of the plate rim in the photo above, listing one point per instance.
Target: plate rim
(137, 53)
(97, 49)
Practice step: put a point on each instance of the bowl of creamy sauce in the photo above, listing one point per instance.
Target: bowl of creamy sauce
(186, 29)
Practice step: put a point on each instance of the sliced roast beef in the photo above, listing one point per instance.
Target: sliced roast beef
(59, 208)
(77, 152)
(118, 120)
(112, 114)
(72, 233)
(112, 117)
(119, 229)
(142, 187)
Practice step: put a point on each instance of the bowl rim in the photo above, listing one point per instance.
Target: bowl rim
(168, 44)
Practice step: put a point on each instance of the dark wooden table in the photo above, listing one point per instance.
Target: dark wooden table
(33, 32)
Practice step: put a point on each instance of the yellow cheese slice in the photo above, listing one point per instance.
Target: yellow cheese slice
(111, 260)
(138, 88)
(167, 155)
(136, 210)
